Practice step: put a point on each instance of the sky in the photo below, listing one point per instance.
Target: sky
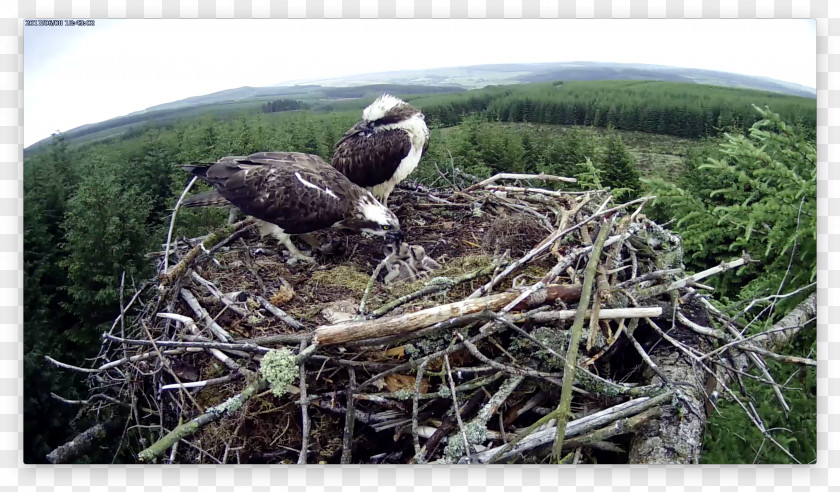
(79, 75)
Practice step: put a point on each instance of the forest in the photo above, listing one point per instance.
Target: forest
(733, 171)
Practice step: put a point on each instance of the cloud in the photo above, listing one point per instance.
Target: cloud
(75, 76)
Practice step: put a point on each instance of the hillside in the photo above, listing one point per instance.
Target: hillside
(477, 76)
(414, 82)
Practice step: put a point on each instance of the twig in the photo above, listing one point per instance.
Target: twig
(279, 313)
(304, 410)
(369, 286)
(455, 406)
(170, 277)
(497, 177)
(349, 421)
(172, 221)
(415, 403)
(215, 292)
(435, 285)
(204, 316)
(230, 406)
(577, 328)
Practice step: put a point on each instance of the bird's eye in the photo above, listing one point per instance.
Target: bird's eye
(386, 227)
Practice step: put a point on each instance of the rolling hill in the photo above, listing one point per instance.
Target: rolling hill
(324, 93)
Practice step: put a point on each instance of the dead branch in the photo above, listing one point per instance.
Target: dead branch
(577, 328)
(406, 323)
(500, 176)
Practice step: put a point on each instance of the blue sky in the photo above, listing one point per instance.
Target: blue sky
(79, 75)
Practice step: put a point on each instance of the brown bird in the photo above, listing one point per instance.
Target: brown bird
(292, 193)
(384, 147)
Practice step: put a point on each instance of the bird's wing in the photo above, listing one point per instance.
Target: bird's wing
(298, 192)
(369, 159)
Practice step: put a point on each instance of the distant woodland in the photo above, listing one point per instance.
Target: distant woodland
(734, 171)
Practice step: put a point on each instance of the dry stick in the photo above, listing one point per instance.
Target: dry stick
(514, 370)
(190, 324)
(497, 177)
(177, 271)
(528, 439)
(621, 426)
(406, 323)
(435, 285)
(215, 292)
(369, 286)
(349, 421)
(711, 332)
(304, 409)
(145, 356)
(172, 222)
(279, 313)
(577, 327)
(244, 347)
(415, 404)
(679, 284)
(538, 191)
(204, 316)
(68, 366)
(455, 407)
(229, 407)
(551, 239)
(200, 384)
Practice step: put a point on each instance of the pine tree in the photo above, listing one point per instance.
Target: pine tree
(619, 170)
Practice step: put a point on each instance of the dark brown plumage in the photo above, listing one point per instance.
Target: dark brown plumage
(383, 148)
(297, 193)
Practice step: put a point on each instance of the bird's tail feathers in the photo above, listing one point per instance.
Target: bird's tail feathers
(206, 199)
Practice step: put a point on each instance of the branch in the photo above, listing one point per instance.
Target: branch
(497, 177)
(172, 222)
(563, 408)
(409, 322)
(228, 407)
(170, 277)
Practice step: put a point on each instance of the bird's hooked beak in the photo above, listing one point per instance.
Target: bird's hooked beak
(395, 237)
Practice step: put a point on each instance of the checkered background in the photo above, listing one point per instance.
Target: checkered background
(354, 478)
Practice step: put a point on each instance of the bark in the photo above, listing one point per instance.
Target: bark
(407, 323)
(677, 436)
(81, 444)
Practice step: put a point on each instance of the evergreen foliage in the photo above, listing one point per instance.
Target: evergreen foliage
(680, 109)
(754, 193)
(282, 105)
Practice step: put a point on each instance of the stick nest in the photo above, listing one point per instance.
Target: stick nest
(195, 339)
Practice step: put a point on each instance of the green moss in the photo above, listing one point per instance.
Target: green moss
(343, 276)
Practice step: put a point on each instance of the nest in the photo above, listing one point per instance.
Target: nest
(281, 362)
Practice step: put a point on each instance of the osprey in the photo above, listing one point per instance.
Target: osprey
(383, 148)
(292, 193)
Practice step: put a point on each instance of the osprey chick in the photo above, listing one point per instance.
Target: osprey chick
(383, 148)
(292, 193)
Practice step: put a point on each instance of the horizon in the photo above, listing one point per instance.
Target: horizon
(164, 68)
